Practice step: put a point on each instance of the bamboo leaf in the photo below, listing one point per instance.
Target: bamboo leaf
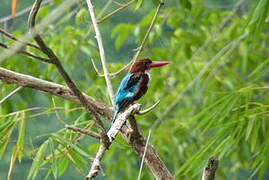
(37, 161)
(12, 161)
(20, 142)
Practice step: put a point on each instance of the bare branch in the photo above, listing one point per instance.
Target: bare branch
(10, 94)
(102, 52)
(96, 165)
(120, 120)
(123, 6)
(83, 131)
(95, 68)
(138, 142)
(64, 92)
(55, 60)
(211, 168)
(28, 54)
(142, 112)
(7, 34)
(144, 155)
(116, 2)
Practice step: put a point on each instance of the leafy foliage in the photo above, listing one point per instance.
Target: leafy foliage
(214, 95)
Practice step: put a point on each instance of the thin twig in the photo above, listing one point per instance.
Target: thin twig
(116, 2)
(144, 155)
(211, 168)
(95, 67)
(148, 109)
(141, 47)
(115, 11)
(7, 34)
(83, 131)
(28, 54)
(102, 52)
(11, 94)
(22, 12)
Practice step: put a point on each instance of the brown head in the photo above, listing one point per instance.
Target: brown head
(145, 64)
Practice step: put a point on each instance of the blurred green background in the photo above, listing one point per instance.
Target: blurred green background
(214, 95)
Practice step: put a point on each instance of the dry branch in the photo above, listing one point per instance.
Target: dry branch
(10, 94)
(7, 34)
(83, 131)
(115, 11)
(23, 80)
(211, 168)
(120, 120)
(27, 54)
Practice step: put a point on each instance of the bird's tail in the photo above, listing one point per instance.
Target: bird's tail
(115, 116)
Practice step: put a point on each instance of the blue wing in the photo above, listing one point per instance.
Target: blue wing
(127, 88)
(132, 87)
(126, 92)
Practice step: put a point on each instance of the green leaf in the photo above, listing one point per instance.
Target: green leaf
(81, 16)
(121, 33)
(20, 142)
(63, 164)
(257, 19)
(38, 160)
(139, 4)
(186, 4)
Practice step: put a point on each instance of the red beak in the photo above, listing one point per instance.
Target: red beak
(158, 63)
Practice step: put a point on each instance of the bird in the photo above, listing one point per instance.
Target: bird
(135, 84)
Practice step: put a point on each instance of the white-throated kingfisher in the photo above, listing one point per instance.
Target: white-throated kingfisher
(135, 84)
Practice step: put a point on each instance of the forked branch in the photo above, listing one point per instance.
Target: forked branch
(55, 60)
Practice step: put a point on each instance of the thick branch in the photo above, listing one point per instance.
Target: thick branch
(120, 120)
(12, 77)
(134, 138)
(113, 131)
